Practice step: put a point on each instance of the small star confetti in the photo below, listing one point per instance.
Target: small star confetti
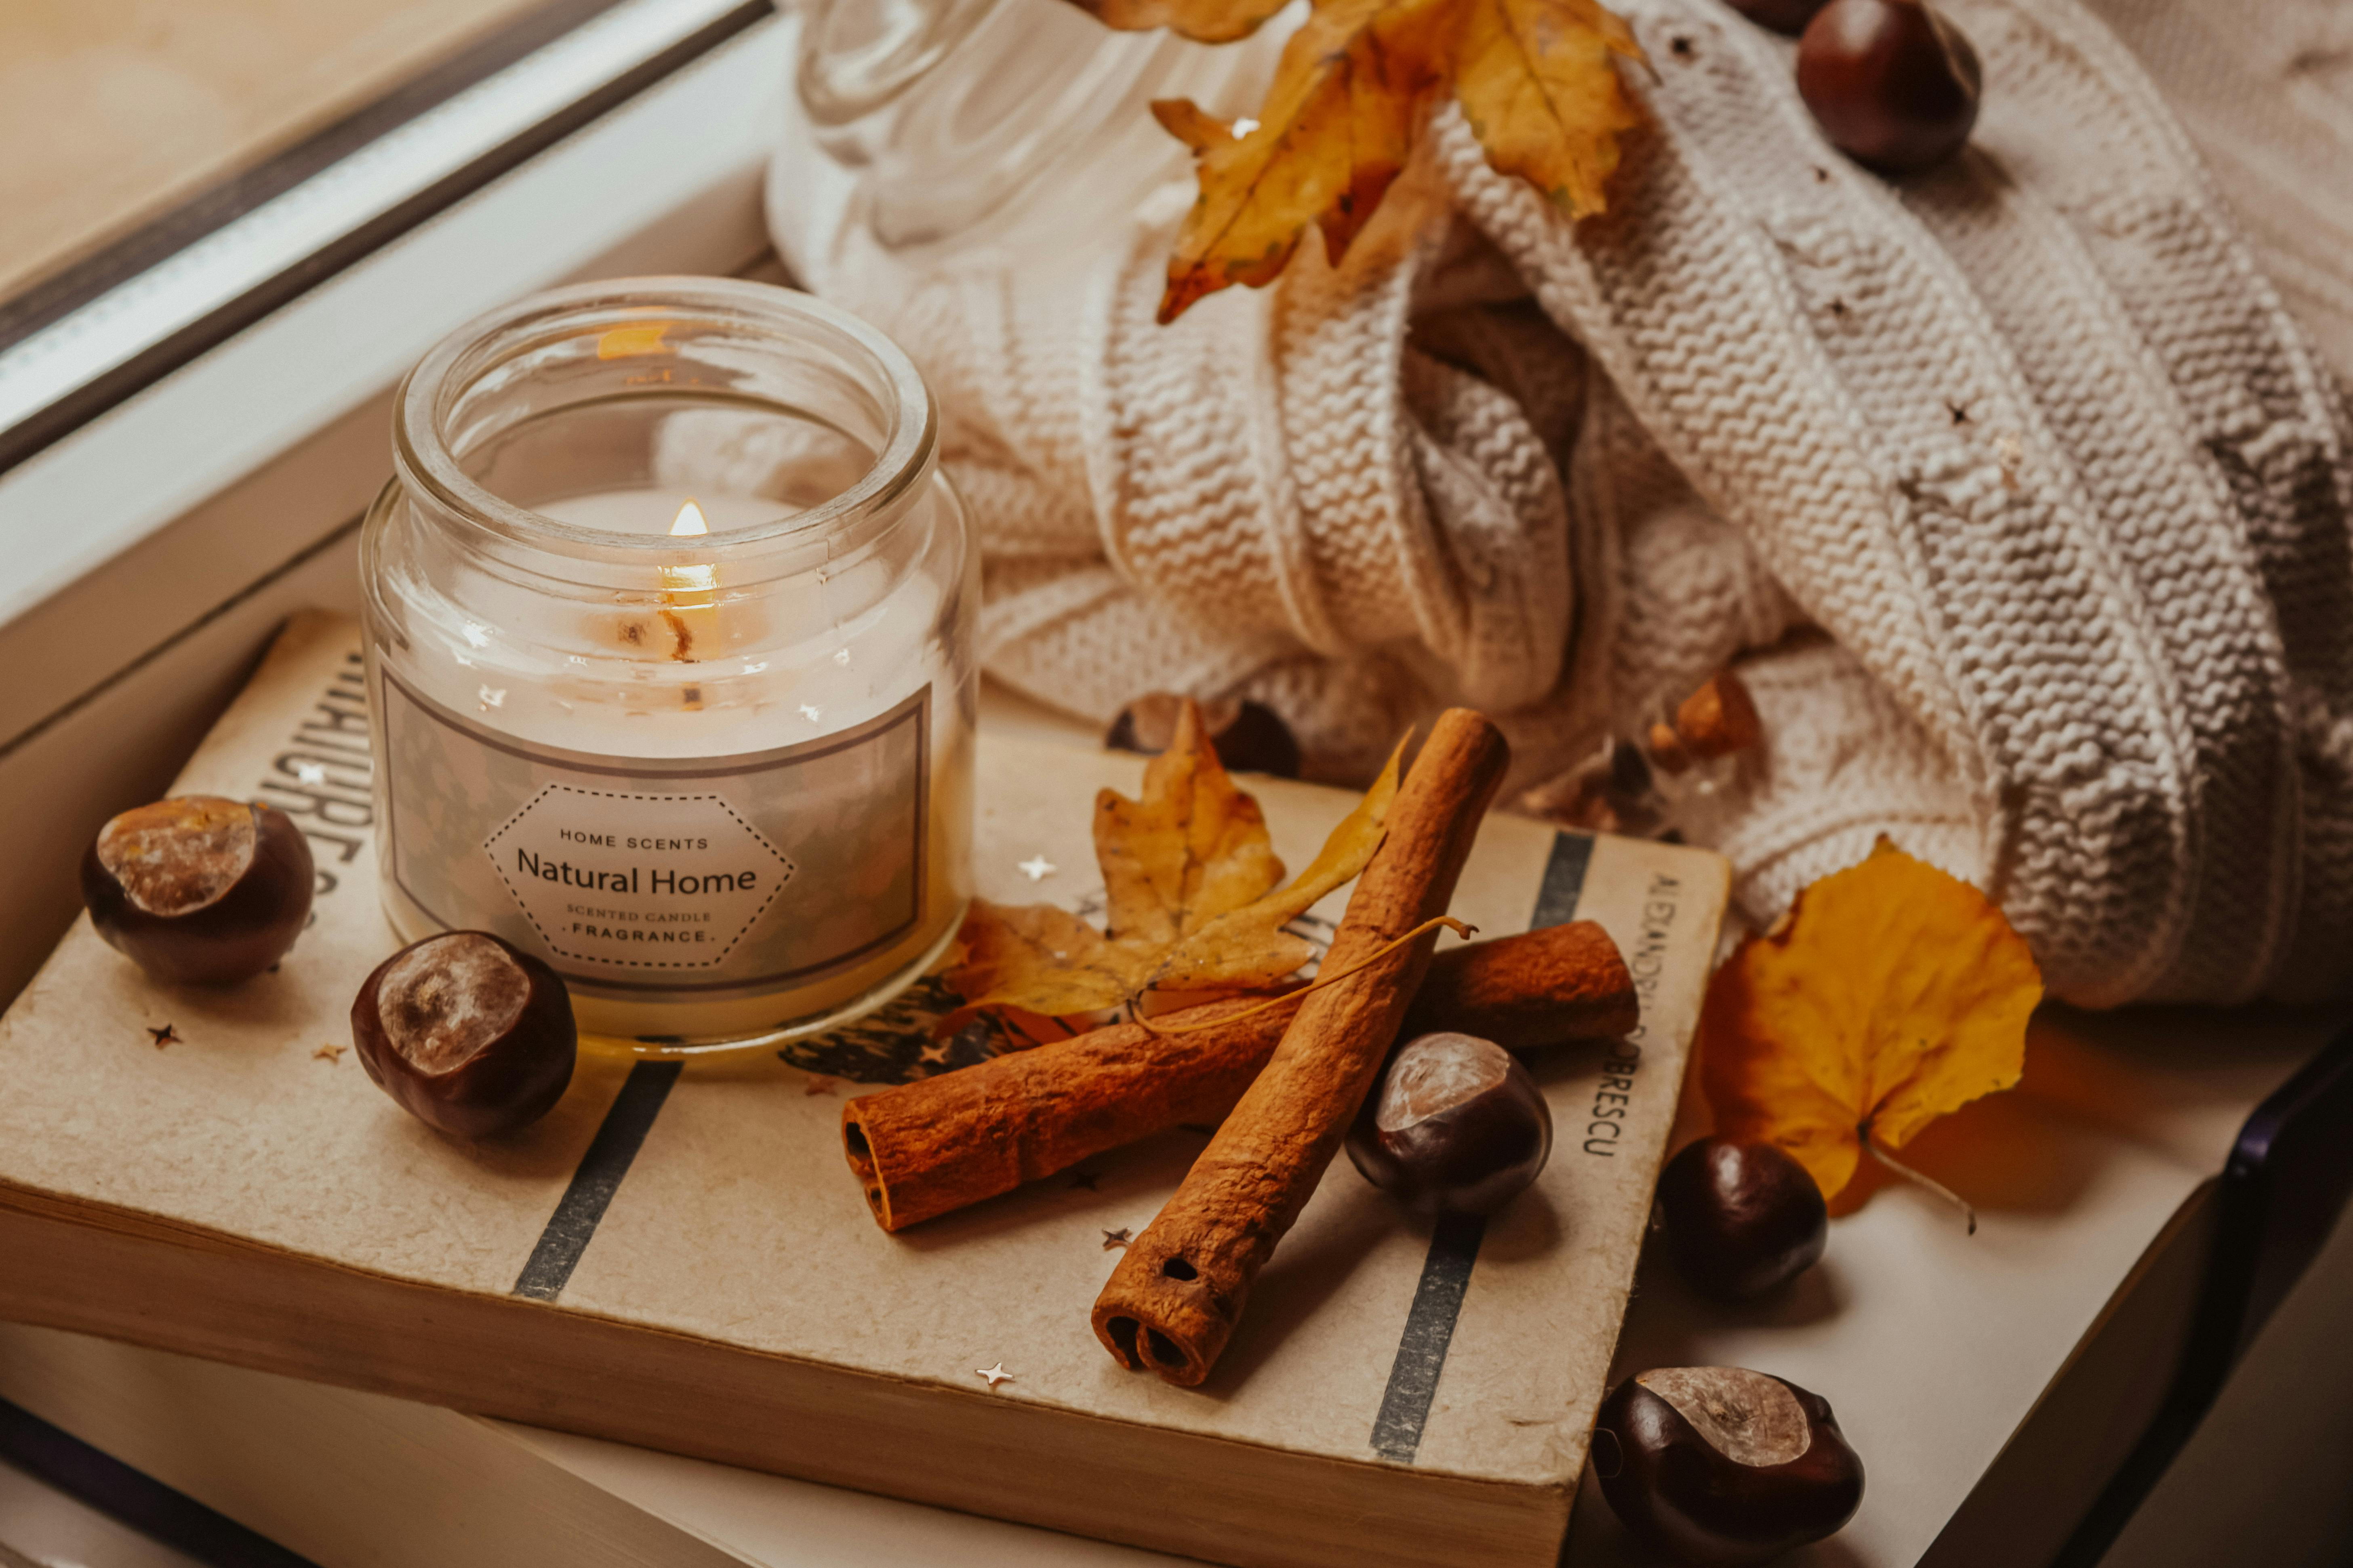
(995, 1375)
(330, 1053)
(1115, 1239)
(1036, 868)
(166, 1035)
(937, 1051)
(1086, 1179)
(310, 772)
(820, 1084)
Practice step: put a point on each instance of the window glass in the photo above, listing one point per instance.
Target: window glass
(113, 114)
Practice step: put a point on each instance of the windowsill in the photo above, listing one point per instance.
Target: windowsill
(146, 519)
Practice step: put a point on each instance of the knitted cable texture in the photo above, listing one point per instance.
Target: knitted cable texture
(2025, 452)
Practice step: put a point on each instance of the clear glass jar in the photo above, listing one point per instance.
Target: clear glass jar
(669, 649)
(1018, 122)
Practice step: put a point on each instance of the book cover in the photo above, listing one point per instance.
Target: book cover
(681, 1258)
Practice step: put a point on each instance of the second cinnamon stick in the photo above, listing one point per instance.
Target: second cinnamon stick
(1171, 1303)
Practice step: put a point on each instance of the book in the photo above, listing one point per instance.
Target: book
(679, 1258)
(347, 1480)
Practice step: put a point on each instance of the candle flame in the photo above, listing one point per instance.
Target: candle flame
(690, 524)
(687, 591)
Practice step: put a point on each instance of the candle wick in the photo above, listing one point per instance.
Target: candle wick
(682, 650)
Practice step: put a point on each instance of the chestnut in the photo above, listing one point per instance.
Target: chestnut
(1891, 82)
(1721, 1467)
(470, 1034)
(1739, 1218)
(198, 889)
(1249, 737)
(1455, 1126)
(1788, 16)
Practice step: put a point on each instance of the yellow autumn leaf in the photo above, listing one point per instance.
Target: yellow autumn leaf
(1248, 946)
(1536, 81)
(1193, 901)
(1037, 956)
(1338, 122)
(1194, 847)
(1890, 995)
(1350, 96)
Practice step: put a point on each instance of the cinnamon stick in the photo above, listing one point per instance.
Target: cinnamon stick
(925, 1148)
(1180, 1288)
(1559, 983)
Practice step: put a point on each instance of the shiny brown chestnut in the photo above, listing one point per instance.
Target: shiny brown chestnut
(1723, 1468)
(1739, 1218)
(199, 889)
(471, 1035)
(1249, 737)
(1454, 1126)
(1892, 83)
(1788, 16)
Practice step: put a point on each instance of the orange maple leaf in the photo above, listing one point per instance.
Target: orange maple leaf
(1890, 994)
(1195, 905)
(1350, 96)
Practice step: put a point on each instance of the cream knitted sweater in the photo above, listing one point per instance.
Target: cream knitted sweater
(2020, 492)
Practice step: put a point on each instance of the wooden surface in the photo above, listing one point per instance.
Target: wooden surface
(113, 112)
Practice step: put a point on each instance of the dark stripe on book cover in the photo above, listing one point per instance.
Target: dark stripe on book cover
(1564, 880)
(135, 1497)
(1429, 1329)
(1454, 1241)
(577, 1215)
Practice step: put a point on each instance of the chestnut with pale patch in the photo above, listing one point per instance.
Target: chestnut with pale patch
(178, 854)
(1749, 1418)
(1721, 1467)
(471, 1035)
(448, 999)
(1456, 1126)
(199, 889)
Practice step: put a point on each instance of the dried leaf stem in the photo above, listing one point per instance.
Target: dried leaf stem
(1879, 1152)
(1449, 921)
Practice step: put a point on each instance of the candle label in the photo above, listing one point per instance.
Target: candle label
(663, 875)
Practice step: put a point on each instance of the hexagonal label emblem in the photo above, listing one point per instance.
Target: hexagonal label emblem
(637, 881)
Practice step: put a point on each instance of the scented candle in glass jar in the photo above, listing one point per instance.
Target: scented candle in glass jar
(670, 619)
